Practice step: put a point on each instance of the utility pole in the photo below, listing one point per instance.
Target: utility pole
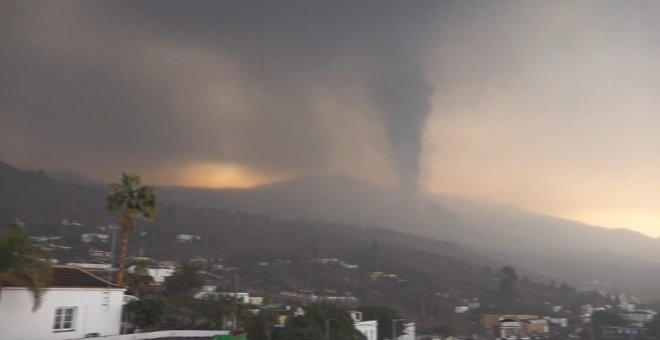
(113, 229)
(327, 328)
(394, 321)
(235, 303)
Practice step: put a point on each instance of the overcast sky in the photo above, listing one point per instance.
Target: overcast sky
(551, 106)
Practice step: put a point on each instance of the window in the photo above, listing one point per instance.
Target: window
(64, 319)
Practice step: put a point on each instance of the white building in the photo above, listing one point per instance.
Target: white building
(639, 316)
(187, 238)
(78, 304)
(159, 274)
(461, 309)
(368, 328)
(89, 237)
(409, 332)
(206, 295)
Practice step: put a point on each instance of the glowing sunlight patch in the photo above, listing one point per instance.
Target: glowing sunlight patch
(223, 176)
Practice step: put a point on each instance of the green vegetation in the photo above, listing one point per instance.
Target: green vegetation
(260, 326)
(653, 327)
(23, 264)
(139, 279)
(508, 290)
(133, 201)
(148, 312)
(605, 318)
(184, 280)
(321, 319)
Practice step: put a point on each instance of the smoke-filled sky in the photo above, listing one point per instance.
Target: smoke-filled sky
(551, 106)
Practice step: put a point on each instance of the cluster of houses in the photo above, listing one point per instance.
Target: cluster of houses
(369, 328)
(519, 326)
(81, 303)
(309, 295)
(529, 326)
(335, 261)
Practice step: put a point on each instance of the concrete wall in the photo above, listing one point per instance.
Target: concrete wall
(98, 310)
(173, 334)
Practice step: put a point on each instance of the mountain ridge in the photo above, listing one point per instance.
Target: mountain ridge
(576, 252)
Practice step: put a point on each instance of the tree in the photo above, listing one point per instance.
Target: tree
(375, 251)
(384, 316)
(139, 278)
(292, 333)
(23, 264)
(133, 201)
(184, 279)
(605, 318)
(653, 327)
(508, 289)
(318, 316)
(260, 325)
(148, 312)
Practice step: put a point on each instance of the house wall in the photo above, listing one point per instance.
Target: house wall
(98, 311)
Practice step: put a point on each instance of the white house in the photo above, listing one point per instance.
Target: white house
(409, 332)
(78, 304)
(639, 316)
(187, 238)
(368, 328)
(89, 237)
(159, 274)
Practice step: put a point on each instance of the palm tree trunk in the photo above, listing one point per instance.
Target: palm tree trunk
(124, 250)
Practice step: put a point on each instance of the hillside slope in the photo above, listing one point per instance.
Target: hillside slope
(556, 247)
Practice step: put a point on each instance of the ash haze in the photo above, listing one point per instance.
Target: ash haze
(551, 106)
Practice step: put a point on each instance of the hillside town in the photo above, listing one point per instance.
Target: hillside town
(267, 298)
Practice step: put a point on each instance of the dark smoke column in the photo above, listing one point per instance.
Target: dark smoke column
(404, 94)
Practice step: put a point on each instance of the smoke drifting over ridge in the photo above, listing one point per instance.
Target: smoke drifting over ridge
(405, 112)
(278, 88)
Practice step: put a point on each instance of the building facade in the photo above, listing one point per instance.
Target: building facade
(78, 304)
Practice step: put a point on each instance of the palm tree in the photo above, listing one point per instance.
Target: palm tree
(133, 201)
(22, 264)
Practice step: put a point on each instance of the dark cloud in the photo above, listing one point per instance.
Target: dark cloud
(105, 83)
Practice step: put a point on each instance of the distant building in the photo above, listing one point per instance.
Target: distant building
(561, 322)
(383, 276)
(99, 253)
(256, 300)
(535, 326)
(638, 317)
(187, 238)
(90, 237)
(510, 329)
(623, 333)
(461, 309)
(242, 297)
(92, 266)
(159, 274)
(511, 326)
(45, 238)
(77, 304)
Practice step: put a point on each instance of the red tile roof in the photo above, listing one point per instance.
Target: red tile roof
(70, 277)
